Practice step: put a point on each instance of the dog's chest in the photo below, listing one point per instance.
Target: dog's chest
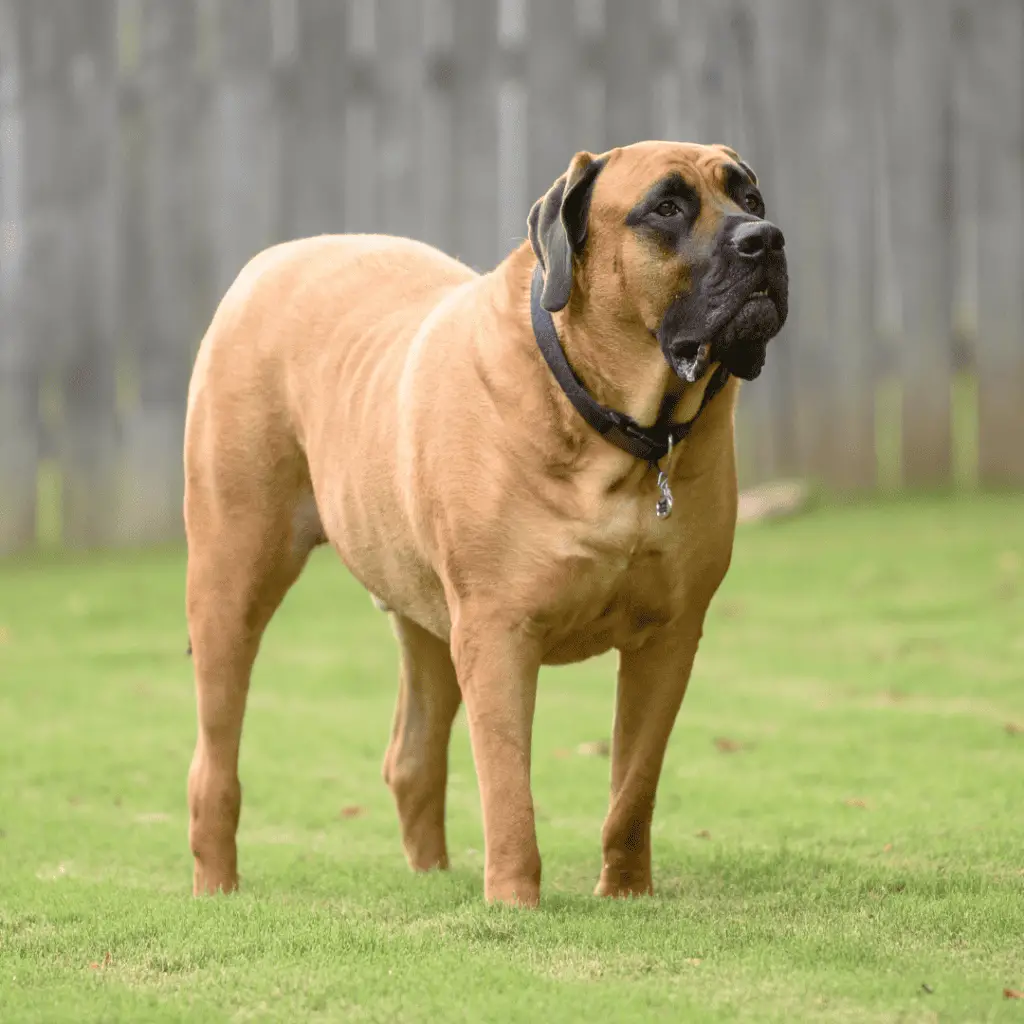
(611, 585)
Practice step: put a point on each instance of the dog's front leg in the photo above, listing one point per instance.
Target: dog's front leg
(497, 670)
(652, 683)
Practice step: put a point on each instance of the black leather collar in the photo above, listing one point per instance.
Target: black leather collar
(651, 444)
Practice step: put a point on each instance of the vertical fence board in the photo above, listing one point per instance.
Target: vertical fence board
(244, 137)
(629, 101)
(591, 95)
(698, 49)
(401, 71)
(794, 32)
(998, 111)
(764, 416)
(553, 68)
(512, 184)
(476, 132)
(919, 157)
(46, 264)
(165, 270)
(313, 81)
(437, 127)
(361, 209)
(664, 70)
(846, 172)
(19, 380)
(89, 442)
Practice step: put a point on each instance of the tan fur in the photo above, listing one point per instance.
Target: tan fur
(375, 393)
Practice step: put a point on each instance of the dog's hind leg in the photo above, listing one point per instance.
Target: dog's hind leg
(237, 576)
(247, 520)
(416, 762)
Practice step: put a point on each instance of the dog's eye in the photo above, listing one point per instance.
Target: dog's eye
(667, 209)
(754, 204)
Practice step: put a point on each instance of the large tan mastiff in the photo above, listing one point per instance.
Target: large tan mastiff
(525, 467)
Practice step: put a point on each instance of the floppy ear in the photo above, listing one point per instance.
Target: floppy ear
(558, 228)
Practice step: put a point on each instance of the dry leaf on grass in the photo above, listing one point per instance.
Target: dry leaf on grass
(1009, 562)
(887, 848)
(152, 817)
(1014, 728)
(726, 745)
(695, 960)
(771, 501)
(730, 609)
(1012, 993)
(855, 801)
(703, 834)
(598, 748)
(352, 811)
(5, 635)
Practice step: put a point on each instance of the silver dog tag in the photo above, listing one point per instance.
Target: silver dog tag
(664, 507)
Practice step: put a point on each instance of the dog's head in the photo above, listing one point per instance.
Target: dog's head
(674, 236)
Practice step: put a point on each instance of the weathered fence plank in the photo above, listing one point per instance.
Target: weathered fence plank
(668, 94)
(89, 441)
(244, 137)
(592, 89)
(513, 149)
(919, 158)
(697, 109)
(313, 80)
(846, 198)
(998, 115)
(765, 441)
(19, 375)
(361, 192)
(46, 269)
(167, 269)
(437, 138)
(794, 32)
(628, 56)
(402, 72)
(553, 70)
(477, 65)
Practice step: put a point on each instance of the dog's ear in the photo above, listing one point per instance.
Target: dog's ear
(558, 227)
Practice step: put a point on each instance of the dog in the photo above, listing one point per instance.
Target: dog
(525, 467)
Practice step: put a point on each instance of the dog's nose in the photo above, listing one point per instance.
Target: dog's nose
(754, 239)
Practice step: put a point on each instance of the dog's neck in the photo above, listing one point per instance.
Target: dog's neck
(615, 356)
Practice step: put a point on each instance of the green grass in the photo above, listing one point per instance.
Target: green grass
(866, 839)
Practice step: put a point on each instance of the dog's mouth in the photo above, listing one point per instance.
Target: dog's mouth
(736, 334)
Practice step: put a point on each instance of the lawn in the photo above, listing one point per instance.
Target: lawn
(839, 833)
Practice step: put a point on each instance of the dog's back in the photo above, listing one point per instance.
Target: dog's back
(296, 300)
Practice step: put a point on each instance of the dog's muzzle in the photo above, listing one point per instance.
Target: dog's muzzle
(743, 342)
(737, 306)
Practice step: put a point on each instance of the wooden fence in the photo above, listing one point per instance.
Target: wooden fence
(149, 147)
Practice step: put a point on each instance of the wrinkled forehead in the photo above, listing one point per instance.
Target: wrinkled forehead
(631, 172)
